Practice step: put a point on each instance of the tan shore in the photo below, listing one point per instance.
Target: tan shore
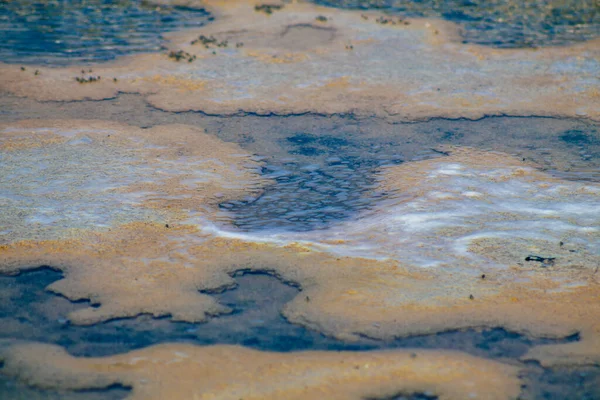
(308, 59)
(180, 371)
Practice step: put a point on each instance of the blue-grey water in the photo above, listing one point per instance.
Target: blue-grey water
(59, 32)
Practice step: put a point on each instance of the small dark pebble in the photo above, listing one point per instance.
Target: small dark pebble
(181, 55)
(208, 41)
(267, 8)
(471, 297)
(88, 79)
(546, 261)
(321, 18)
(482, 276)
(166, 225)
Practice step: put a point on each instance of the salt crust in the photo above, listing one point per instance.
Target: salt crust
(180, 371)
(289, 62)
(60, 176)
(145, 266)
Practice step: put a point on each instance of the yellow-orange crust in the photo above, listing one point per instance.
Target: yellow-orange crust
(180, 371)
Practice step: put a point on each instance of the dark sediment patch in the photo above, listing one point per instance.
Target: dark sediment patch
(576, 137)
(31, 313)
(505, 24)
(582, 383)
(71, 32)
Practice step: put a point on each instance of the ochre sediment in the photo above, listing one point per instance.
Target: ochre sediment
(446, 251)
(181, 371)
(291, 62)
(150, 269)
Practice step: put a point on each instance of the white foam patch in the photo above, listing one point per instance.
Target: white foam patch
(466, 204)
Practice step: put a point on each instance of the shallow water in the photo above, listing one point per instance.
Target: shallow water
(72, 32)
(29, 312)
(35, 314)
(323, 171)
(503, 24)
(304, 196)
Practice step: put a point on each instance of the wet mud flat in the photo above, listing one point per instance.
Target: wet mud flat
(296, 153)
(31, 312)
(251, 212)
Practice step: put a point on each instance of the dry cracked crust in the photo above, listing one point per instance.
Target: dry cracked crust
(458, 261)
(180, 371)
(292, 61)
